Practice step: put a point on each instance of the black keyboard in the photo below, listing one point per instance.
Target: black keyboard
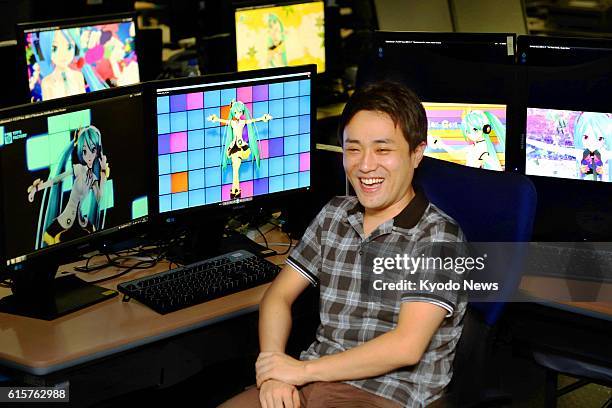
(199, 282)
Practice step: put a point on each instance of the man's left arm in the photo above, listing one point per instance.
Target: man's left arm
(400, 347)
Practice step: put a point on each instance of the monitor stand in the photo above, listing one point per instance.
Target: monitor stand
(43, 297)
(233, 241)
(207, 238)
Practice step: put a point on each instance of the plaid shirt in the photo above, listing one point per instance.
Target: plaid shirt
(329, 255)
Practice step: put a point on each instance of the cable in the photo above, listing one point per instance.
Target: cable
(263, 236)
(138, 265)
(289, 246)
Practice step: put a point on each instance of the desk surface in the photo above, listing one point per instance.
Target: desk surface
(557, 292)
(41, 347)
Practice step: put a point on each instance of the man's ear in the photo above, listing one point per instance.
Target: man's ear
(417, 154)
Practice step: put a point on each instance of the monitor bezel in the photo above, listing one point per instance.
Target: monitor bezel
(21, 29)
(510, 101)
(99, 239)
(381, 36)
(524, 41)
(221, 208)
(252, 4)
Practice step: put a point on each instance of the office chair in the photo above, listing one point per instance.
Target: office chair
(489, 206)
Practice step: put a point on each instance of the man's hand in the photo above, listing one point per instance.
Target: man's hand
(280, 366)
(277, 394)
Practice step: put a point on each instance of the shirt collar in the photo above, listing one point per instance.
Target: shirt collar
(408, 218)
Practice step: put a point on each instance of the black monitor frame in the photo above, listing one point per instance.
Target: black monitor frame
(264, 201)
(49, 258)
(206, 222)
(568, 209)
(434, 92)
(22, 66)
(245, 4)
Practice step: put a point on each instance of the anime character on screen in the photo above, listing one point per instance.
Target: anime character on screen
(592, 145)
(62, 70)
(277, 50)
(477, 127)
(89, 171)
(110, 50)
(239, 141)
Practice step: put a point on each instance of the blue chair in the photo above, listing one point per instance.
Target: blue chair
(490, 207)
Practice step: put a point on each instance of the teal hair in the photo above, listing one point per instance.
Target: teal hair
(479, 119)
(235, 107)
(72, 35)
(53, 196)
(601, 125)
(273, 18)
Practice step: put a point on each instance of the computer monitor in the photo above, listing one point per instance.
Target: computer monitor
(566, 83)
(74, 176)
(280, 34)
(69, 57)
(467, 84)
(232, 141)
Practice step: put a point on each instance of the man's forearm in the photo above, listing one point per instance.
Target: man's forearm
(378, 356)
(274, 324)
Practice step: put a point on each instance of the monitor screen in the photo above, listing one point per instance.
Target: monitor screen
(233, 138)
(70, 57)
(568, 132)
(281, 35)
(568, 144)
(71, 171)
(468, 82)
(469, 134)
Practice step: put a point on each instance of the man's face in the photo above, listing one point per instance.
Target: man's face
(378, 161)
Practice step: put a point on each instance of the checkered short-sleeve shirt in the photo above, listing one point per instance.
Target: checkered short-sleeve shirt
(328, 256)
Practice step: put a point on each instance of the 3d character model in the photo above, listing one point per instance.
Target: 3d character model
(592, 135)
(277, 50)
(90, 172)
(477, 127)
(61, 67)
(239, 141)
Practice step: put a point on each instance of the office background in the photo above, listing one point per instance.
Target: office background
(186, 38)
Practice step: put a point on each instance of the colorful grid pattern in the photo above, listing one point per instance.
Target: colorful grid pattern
(190, 146)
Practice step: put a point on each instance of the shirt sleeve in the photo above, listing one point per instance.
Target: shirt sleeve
(306, 256)
(437, 280)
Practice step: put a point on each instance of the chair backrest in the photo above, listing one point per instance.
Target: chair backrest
(489, 206)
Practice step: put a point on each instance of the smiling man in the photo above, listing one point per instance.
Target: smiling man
(367, 352)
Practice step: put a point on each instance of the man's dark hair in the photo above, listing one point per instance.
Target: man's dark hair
(394, 99)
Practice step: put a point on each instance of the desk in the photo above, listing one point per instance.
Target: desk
(550, 321)
(557, 293)
(56, 349)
